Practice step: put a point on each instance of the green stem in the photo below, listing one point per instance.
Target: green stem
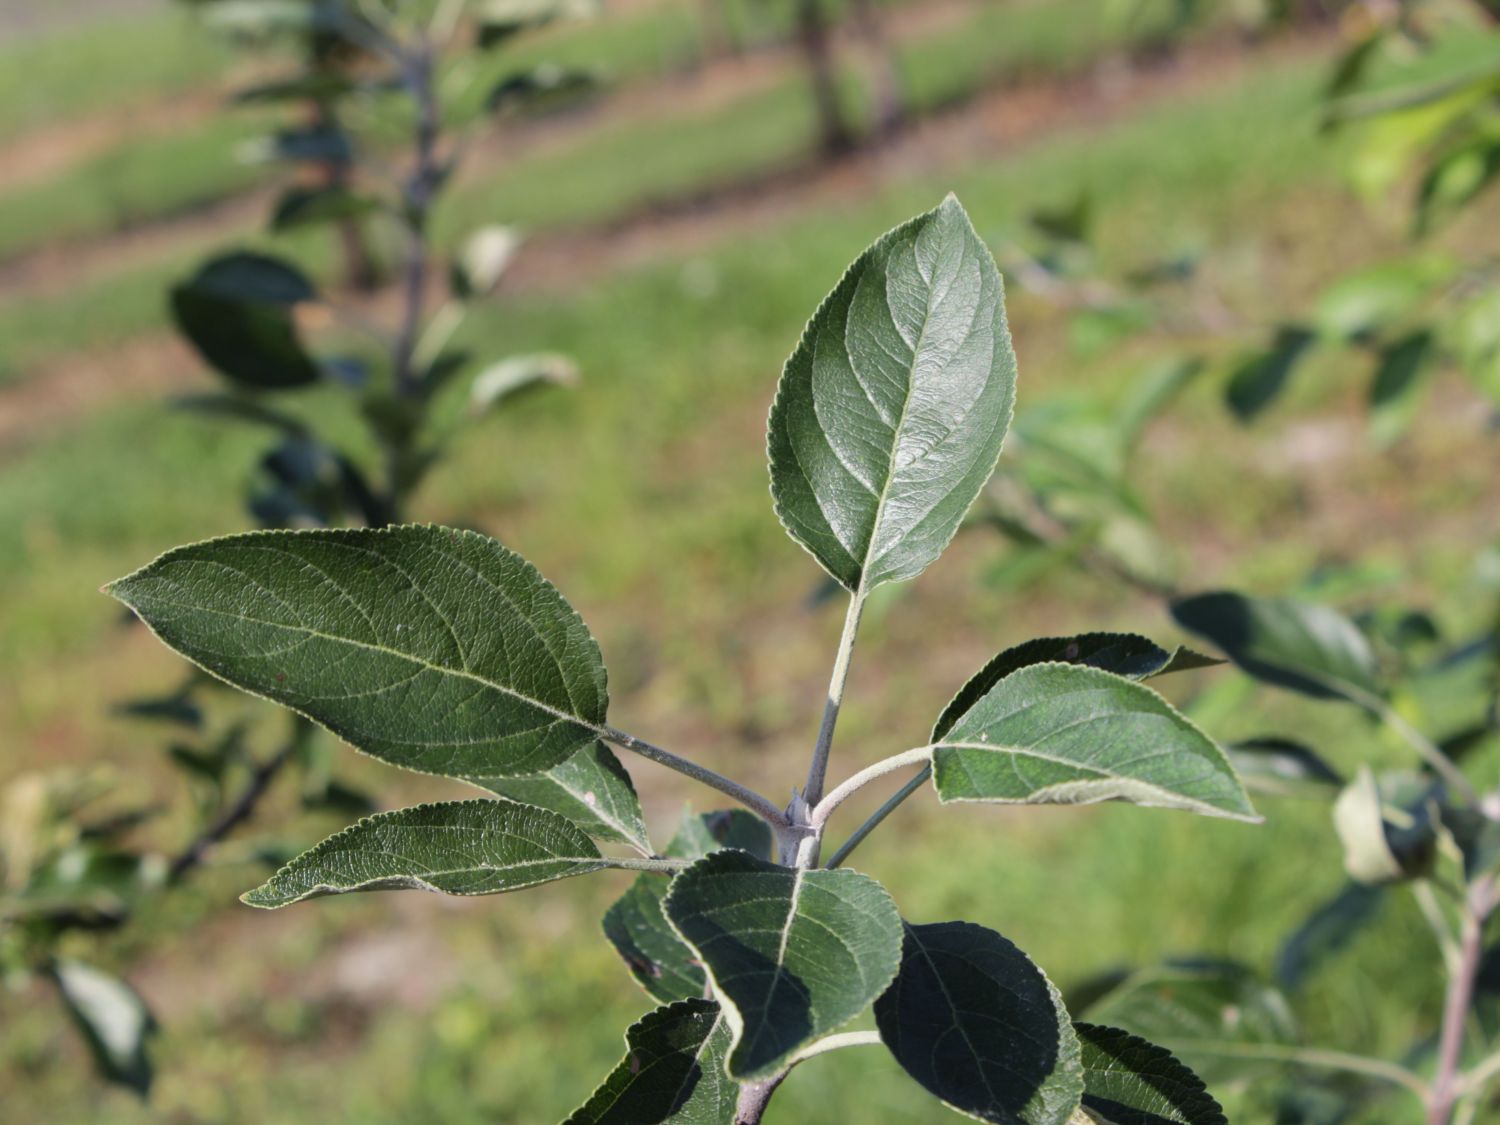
(746, 796)
(816, 772)
(885, 810)
(824, 808)
(1426, 749)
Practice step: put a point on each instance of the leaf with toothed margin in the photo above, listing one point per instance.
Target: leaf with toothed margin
(891, 411)
(638, 929)
(791, 954)
(673, 1070)
(1128, 1081)
(457, 848)
(1065, 734)
(972, 1019)
(591, 789)
(433, 649)
(1125, 654)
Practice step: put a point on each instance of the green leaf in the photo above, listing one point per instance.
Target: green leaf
(891, 412)
(433, 649)
(113, 1020)
(1066, 734)
(673, 1070)
(544, 87)
(1128, 1081)
(791, 955)
(1301, 646)
(303, 206)
(1259, 379)
(457, 848)
(237, 312)
(1326, 931)
(637, 926)
(1383, 843)
(482, 261)
(503, 381)
(1396, 389)
(498, 20)
(1282, 766)
(973, 1020)
(1360, 304)
(1125, 654)
(1195, 1006)
(591, 789)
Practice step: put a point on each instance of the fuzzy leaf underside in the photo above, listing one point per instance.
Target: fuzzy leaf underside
(972, 1019)
(1128, 1081)
(591, 789)
(457, 848)
(432, 649)
(791, 955)
(673, 1070)
(891, 412)
(1066, 734)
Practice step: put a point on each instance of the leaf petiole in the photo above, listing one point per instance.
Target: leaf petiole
(755, 802)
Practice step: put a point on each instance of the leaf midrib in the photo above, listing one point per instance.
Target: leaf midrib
(386, 651)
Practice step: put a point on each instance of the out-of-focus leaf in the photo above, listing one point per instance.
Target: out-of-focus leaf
(498, 20)
(302, 206)
(1094, 330)
(1068, 734)
(673, 1071)
(1325, 932)
(1377, 849)
(1260, 378)
(1150, 393)
(971, 1018)
(321, 145)
(113, 1019)
(1395, 390)
(1455, 179)
(542, 88)
(1204, 1003)
(433, 649)
(237, 312)
(239, 408)
(503, 381)
(1069, 222)
(482, 261)
(890, 414)
(1283, 766)
(1128, 1081)
(1302, 646)
(794, 953)
(1361, 304)
(1475, 333)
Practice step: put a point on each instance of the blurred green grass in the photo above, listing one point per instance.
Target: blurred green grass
(643, 494)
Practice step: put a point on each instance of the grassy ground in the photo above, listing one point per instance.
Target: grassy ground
(643, 494)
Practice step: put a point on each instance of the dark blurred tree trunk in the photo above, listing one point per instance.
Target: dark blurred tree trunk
(890, 98)
(816, 42)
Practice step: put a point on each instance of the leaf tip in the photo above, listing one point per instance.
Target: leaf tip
(263, 898)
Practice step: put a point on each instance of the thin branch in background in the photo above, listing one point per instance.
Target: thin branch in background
(231, 817)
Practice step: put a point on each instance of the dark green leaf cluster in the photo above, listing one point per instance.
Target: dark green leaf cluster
(443, 652)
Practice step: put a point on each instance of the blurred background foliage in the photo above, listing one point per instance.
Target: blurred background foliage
(1250, 256)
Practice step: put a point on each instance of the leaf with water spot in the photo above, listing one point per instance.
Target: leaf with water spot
(1068, 734)
(791, 955)
(891, 412)
(972, 1019)
(432, 649)
(457, 848)
(673, 1070)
